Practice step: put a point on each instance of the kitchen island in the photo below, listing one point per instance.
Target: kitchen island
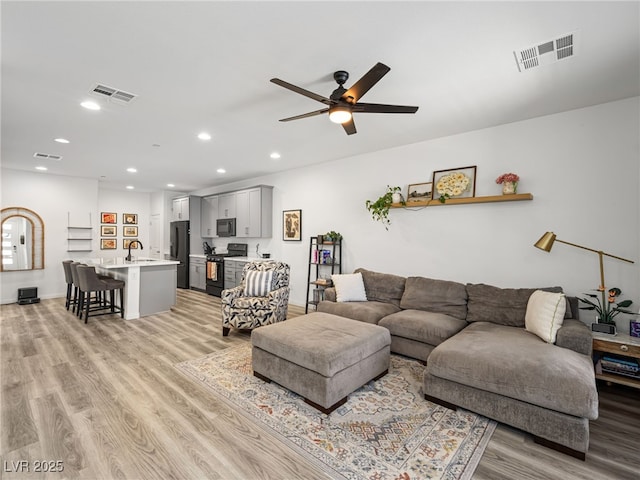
(150, 284)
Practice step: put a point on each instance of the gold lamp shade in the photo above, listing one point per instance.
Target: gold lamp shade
(546, 241)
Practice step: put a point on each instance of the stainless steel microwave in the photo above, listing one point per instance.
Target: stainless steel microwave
(226, 227)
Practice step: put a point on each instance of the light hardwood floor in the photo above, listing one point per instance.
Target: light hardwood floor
(105, 400)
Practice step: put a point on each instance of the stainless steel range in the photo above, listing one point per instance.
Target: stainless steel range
(215, 267)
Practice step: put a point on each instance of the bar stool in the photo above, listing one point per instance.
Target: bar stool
(69, 279)
(91, 283)
(73, 267)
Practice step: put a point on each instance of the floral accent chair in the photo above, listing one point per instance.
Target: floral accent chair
(261, 298)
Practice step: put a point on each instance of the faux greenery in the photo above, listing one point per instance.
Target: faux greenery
(380, 208)
(607, 309)
(333, 236)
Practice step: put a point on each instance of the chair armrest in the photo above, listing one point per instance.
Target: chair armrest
(575, 336)
(274, 296)
(231, 294)
(330, 294)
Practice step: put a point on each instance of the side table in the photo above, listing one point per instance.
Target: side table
(622, 345)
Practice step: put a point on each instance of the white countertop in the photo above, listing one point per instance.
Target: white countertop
(197, 255)
(245, 259)
(120, 262)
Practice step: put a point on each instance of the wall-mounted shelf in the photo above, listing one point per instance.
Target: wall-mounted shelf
(517, 197)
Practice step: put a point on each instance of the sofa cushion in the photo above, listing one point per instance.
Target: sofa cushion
(515, 363)
(349, 287)
(545, 314)
(505, 306)
(370, 312)
(382, 287)
(426, 327)
(439, 296)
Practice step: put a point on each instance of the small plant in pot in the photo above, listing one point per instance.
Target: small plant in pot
(606, 309)
(332, 236)
(379, 209)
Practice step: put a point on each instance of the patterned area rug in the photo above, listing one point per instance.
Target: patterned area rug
(386, 430)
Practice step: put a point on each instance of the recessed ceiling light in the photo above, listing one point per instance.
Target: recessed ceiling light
(130, 187)
(204, 136)
(61, 140)
(132, 170)
(221, 170)
(170, 185)
(275, 155)
(44, 169)
(90, 105)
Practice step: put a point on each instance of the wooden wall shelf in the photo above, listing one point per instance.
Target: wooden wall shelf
(517, 197)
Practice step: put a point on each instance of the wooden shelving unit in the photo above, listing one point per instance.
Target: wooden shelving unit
(517, 197)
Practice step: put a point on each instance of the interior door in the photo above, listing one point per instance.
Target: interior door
(155, 236)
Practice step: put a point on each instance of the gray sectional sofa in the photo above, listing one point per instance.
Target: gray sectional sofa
(480, 357)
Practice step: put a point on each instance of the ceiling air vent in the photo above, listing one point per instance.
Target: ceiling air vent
(47, 156)
(118, 96)
(547, 52)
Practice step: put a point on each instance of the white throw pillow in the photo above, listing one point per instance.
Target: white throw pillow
(545, 314)
(349, 287)
(258, 284)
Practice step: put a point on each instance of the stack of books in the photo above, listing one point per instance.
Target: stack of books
(620, 366)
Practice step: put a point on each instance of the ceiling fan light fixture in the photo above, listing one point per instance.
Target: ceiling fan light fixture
(339, 114)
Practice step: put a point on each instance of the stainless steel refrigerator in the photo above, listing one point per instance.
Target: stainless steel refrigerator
(179, 250)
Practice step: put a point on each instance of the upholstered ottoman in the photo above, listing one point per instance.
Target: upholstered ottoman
(321, 357)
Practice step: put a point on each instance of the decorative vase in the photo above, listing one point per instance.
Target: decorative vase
(509, 188)
(396, 197)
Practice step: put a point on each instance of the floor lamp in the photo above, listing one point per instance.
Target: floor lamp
(546, 242)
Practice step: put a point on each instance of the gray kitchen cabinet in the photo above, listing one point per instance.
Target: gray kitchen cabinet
(233, 272)
(227, 205)
(254, 212)
(180, 209)
(208, 216)
(197, 273)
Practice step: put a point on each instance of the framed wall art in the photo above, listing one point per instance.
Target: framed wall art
(108, 244)
(108, 217)
(419, 192)
(130, 218)
(454, 183)
(129, 231)
(108, 231)
(292, 225)
(127, 241)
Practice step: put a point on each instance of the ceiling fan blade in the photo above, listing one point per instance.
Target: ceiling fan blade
(302, 91)
(305, 115)
(349, 127)
(382, 108)
(367, 81)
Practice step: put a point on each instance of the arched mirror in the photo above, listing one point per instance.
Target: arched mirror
(22, 240)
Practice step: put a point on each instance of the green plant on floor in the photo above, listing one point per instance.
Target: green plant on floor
(380, 208)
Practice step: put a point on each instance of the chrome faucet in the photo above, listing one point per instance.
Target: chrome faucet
(128, 257)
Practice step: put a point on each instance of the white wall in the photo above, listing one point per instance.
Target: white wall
(582, 167)
(52, 198)
(55, 197)
(121, 202)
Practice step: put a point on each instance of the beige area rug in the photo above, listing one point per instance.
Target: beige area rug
(386, 430)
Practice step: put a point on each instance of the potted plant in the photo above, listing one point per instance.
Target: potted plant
(607, 309)
(332, 237)
(509, 183)
(379, 209)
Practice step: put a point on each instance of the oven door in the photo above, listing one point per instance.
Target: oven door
(215, 277)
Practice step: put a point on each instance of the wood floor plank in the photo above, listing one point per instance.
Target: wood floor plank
(107, 397)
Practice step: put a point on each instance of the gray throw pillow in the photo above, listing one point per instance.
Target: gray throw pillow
(505, 306)
(438, 296)
(382, 287)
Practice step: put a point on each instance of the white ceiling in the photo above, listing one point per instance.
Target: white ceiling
(205, 66)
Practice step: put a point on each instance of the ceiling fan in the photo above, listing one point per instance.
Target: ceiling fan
(343, 103)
